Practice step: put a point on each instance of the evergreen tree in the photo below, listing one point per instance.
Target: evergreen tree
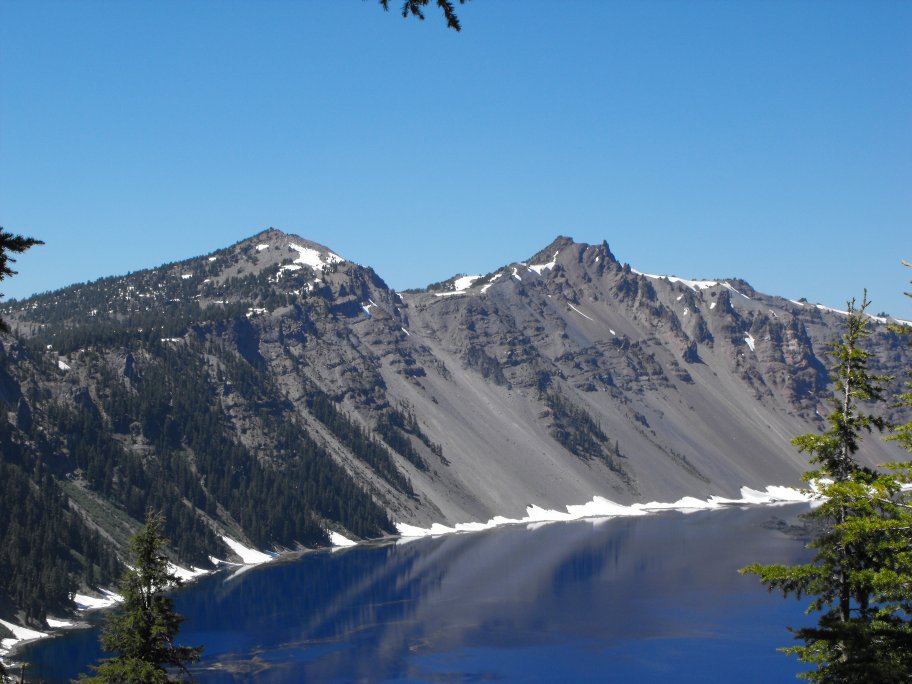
(16, 244)
(903, 433)
(142, 632)
(861, 576)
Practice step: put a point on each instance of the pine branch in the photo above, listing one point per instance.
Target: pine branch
(415, 8)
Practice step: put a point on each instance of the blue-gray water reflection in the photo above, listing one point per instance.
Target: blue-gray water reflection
(643, 599)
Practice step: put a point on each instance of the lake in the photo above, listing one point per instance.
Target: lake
(647, 599)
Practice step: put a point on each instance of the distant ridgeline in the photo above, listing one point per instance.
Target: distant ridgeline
(271, 392)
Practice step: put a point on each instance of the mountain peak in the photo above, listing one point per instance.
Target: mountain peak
(563, 243)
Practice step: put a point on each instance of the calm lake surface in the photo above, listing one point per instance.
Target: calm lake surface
(651, 599)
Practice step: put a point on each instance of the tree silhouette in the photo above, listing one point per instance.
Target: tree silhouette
(415, 8)
(10, 243)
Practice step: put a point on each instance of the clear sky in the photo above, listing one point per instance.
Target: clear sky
(765, 140)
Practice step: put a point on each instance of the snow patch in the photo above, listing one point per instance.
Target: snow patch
(84, 602)
(337, 539)
(54, 623)
(21, 632)
(212, 258)
(184, 573)
(516, 273)
(538, 268)
(261, 247)
(249, 556)
(750, 341)
(465, 282)
(185, 276)
(62, 365)
(406, 332)
(313, 258)
(712, 306)
(612, 332)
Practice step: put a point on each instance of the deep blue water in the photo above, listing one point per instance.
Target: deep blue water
(653, 599)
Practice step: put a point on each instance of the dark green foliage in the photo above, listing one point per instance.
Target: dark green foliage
(356, 439)
(141, 632)
(415, 8)
(404, 418)
(861, 576)
(396, 425)
(576, 431)
(46, 549)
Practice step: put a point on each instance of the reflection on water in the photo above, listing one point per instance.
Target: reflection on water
(626, 599)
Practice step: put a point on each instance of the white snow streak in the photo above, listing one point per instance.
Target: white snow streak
(62, 365)
(516, 273)
(261, 247)
(579, 312)
(484, 288)
(750, 341)
(694, 285)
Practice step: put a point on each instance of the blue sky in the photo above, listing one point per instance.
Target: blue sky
(765, 140)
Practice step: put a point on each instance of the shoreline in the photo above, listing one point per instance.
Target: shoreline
(598, 507)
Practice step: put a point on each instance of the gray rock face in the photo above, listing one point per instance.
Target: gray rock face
(546, 382)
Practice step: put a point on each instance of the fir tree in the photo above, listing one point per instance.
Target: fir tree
(903, 433)
(861, 576)
(15, 244)
(142, 632)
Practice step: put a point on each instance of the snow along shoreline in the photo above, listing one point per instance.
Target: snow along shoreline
(84, 603)
(598, 507)
(601, 507)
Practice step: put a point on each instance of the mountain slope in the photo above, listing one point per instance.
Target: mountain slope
(272, 390)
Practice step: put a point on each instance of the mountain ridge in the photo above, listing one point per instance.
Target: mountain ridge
(272, 390)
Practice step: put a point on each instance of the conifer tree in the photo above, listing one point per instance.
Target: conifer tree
(861, 576)
(903, 433)
(16, 244)
(142, 632)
